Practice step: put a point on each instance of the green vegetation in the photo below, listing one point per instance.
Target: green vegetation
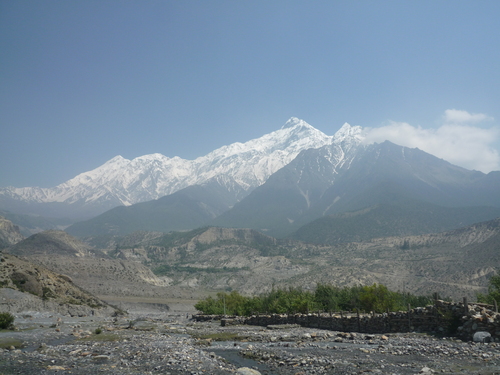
(493, 291)
(375, 298)
(47, 293)
(6, 320)
(7, 342)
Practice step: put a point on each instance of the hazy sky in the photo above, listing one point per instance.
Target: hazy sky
(84, 81)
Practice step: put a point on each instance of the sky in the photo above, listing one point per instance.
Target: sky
(82, 81)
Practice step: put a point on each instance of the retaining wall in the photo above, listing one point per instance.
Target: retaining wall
(447, 318)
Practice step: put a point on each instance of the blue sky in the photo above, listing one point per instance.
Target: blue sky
(84, 81)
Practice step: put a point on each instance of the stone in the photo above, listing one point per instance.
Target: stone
(247, 371)
(481, 336)
(426, 370)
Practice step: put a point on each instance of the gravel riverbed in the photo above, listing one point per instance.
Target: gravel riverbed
(172, 344)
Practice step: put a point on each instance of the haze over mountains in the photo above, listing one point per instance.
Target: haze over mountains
(295, 182)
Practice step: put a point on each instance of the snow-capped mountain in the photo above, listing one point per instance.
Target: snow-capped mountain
(239, 167)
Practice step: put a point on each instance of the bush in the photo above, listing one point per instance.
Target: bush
(6, 320)
(326, 298)
(493, 291)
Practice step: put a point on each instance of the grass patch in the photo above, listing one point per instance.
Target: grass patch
(6, 343)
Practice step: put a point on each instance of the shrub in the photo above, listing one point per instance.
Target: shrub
(6, 320)
(326, 297)
(493, 291)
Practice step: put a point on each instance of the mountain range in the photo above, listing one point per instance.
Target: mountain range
(295, 182)
(237, 169)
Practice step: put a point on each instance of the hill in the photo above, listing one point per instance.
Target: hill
(248, 261)
(27, 287)
(186, 209)
(9, 233)
(90, 268)
(52, 243)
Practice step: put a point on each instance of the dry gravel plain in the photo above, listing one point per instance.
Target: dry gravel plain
(152, 340)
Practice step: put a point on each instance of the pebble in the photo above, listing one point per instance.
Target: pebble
(175, 349)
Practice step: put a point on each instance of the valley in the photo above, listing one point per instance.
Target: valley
(191, 265)
(292, 208)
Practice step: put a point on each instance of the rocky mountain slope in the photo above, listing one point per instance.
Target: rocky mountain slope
(456, 263)
(185, 264)
(88, 267)
(316, 184)
(238, 168)
(9, 233)
(29, 287)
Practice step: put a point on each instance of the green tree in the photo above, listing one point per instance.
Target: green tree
(377, 298)
(327, 296)
(493, 291)
(6, 320)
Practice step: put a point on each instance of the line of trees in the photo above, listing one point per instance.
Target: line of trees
(326, 297)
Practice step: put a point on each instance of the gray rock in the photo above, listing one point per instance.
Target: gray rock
(247, 371)
(481, 336)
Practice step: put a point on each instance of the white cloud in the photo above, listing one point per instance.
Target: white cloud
(456, 141)
(455, 116)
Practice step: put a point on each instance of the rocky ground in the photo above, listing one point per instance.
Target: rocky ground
(171, 343)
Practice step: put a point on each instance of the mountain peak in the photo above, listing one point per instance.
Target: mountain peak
(120, 181)
(348, 132)
(293, 122)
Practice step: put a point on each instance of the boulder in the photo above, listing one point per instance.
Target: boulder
(481, 336)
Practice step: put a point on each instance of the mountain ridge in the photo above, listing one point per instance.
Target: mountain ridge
(315, 184)
(119, 181)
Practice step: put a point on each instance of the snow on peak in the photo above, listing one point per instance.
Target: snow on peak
(117, 159)
(348, 132)
(294, 121)
(152, 176)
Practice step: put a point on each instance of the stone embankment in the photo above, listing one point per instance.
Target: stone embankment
(462, 320)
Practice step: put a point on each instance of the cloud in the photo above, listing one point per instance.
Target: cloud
(455, 116)
(456, 140)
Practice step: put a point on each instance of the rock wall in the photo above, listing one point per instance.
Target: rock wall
(446, 318)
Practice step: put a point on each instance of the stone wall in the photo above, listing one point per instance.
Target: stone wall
(446, 318)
